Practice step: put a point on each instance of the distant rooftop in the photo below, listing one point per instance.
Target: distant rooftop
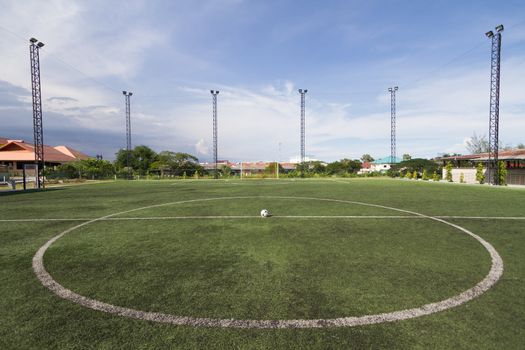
(386, 160)
(513, 154)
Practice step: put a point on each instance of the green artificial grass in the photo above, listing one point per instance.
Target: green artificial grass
(254, 268)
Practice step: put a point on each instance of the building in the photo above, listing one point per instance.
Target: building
(466, 166)
(378, 165)
(14, 154)
(365, 168)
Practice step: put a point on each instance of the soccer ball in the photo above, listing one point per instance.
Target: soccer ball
(265, 213)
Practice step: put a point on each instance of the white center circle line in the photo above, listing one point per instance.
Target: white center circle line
(494, 274)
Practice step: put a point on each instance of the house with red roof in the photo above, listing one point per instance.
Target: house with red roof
(14, 154)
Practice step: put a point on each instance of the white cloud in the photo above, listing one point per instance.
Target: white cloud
(202, 148)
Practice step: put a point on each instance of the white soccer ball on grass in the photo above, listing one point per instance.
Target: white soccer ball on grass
(265, 213)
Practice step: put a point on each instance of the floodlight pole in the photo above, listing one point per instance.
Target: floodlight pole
(214, 94)
(127, 96)
(38, 131)
(392, 91)
(495, 60)
(303, 108)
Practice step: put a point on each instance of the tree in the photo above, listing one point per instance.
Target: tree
(141, 159)
(272, 168)
(185, 162)
(425, 175)
(416, 164)
(163, 163)
(461, 178)
(480, 175)
(414, 175)
(175, 163)
(477, 144)
(317, 167)
(90, 168)
(502, 173)
(367, 158)
(67, 170)
(448, 174)
(225, 170)
(520, 146)
(121, 159)
(435, 176)
(343, 166)
(406, 157)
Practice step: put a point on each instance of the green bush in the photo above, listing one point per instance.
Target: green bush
(480, 176)
(502, 173)
(448, 174)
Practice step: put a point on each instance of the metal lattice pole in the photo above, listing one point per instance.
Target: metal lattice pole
(38, 131)
(392, 91)
(127, 96)
(303, 147)
(214, 94)
(495, 60)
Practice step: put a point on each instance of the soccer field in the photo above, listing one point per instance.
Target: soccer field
(342, 263)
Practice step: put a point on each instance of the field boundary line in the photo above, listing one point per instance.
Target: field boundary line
(233, 217)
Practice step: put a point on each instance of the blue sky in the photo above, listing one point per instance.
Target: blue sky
(258, 53)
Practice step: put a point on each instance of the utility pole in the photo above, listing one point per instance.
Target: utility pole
(38, 131)
(127, 96)
(214, 94)
(392, 91)
(495, 60)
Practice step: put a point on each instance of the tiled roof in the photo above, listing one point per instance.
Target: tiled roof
(508, 154)
(386, 160)
(22, 151)
(71, 152)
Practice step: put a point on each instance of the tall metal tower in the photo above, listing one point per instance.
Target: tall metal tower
(303, 154)
(214, 94)
(493, 164)
(38, 131)
(127, 95)
(392, 91)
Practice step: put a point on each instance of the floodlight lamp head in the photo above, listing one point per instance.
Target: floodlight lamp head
(499, 28)
(300, 91)
(396, 88)
(33, 40)
(305, 91)
(130, 93)
(124, 92)
(489, 34)
(40, 44)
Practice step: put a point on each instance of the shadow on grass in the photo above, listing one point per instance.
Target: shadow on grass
(32, 190)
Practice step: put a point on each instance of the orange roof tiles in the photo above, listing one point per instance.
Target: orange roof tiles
(20, 151)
